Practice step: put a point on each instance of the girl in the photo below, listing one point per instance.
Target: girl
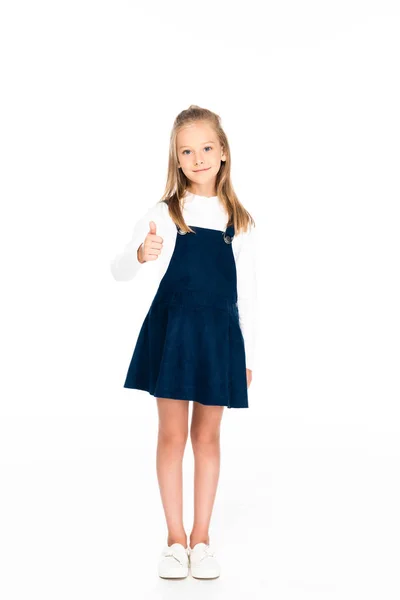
(197, 341)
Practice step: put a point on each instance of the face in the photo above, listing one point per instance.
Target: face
(199, 156)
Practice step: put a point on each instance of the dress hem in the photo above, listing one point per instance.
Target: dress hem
(177, 396)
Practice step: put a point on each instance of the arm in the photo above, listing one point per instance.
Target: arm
(126, 264)
(246, 268)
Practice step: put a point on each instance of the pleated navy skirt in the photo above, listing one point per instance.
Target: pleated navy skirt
(190, 345)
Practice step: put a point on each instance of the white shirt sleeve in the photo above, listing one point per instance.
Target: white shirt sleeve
(125, 265)
(246, 267)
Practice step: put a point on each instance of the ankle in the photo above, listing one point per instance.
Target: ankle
(177, 539)
(196, 538)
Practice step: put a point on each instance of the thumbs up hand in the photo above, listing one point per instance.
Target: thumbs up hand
(152, 245)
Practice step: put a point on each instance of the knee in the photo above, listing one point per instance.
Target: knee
(204, 440)
(172, 438)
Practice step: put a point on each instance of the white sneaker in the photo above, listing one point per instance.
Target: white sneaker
(174, 562)
(203, 564)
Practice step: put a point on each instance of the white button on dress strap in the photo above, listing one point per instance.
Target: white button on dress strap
(180, 230)
(227, 237)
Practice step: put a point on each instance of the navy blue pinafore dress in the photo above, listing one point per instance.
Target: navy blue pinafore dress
(190, 345)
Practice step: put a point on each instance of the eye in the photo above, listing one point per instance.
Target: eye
(208, 147)
(185, 151)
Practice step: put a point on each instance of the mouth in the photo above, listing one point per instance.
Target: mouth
(200, 170)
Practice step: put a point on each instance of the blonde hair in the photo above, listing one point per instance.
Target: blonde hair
(177, 182)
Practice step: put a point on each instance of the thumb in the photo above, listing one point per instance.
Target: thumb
(152, 227)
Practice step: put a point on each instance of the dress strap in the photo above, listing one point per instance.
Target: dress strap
(179, 230)
(229, 234)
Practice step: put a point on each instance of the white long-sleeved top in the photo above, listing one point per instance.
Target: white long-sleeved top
(201, 211)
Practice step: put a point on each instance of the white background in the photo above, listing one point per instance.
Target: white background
(308, 93)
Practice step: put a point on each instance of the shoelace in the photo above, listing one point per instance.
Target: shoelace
(171, 553)
(206, 552)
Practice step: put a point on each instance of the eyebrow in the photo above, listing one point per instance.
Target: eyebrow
(209, 142)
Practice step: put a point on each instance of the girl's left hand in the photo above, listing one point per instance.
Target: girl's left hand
(249, 376)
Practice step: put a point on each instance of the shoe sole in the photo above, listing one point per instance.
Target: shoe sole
(176, 574)
(209, 575)
(173, 576)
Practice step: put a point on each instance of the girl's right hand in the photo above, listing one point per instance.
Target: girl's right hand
(152, 245)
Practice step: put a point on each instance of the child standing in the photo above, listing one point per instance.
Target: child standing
(198, 338)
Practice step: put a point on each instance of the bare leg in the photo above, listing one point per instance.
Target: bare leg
(205, 437)
(172, 437)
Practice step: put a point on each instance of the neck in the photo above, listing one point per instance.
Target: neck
(207, 193)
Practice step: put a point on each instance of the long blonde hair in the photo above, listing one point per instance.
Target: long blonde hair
(177, 182)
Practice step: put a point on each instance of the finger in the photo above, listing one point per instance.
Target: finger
(154, 244)
(154, 251)
(156, 238)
